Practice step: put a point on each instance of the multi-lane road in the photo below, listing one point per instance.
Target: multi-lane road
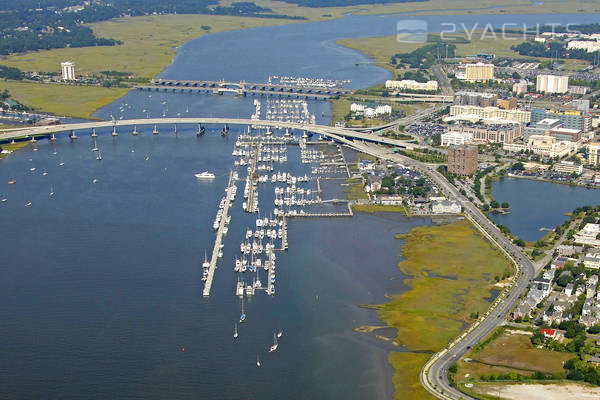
(434, 375)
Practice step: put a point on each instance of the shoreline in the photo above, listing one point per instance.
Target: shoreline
(455, 282)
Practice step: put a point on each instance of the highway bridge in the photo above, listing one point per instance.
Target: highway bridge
(134, 124)
(243, 88)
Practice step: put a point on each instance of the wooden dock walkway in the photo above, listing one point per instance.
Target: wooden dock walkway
(219, 238)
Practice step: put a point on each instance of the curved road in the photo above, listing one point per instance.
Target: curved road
(434, 375)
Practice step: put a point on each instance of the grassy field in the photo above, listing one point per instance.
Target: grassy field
(452, 267)
(355, 190)
(372, 208)
(511, 352)
(63, 100)
(149, 45)
(457, 7)
(13, 147)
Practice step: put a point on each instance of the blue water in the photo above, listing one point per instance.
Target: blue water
(100, 291)
(536, 205)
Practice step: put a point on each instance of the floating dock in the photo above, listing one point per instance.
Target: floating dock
(219, 238)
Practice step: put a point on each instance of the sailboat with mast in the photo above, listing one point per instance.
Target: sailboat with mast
(243, 315)
(275, 345)
(235, 332)
(257, 361)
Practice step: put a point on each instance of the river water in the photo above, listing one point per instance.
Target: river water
(536, 204)
(100, 290)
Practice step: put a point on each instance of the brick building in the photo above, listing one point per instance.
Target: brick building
(462, 159)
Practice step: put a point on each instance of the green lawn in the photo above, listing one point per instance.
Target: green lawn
(511, 352)
(63, 100)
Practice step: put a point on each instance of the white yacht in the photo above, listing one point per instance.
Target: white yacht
(205, 175)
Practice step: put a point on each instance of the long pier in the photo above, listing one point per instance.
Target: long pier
(252, 196)
(219, 239)
(350, 213)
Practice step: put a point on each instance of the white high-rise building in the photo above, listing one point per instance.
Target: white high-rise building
(68, 70)
(552, 84)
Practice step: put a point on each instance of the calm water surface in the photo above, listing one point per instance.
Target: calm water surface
(538, 204)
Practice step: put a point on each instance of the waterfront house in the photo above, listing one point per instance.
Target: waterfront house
(549, 333)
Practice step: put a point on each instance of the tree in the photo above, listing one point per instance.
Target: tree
(494, 204)
(520, 243)
(518, 166)
(538, 338)
(505, 204)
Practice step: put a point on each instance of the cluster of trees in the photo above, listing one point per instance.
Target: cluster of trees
(393, 184)
(34, 25)
(425, 155)
(552, 50)
(10, 73)
(423, 57)
(415, 76)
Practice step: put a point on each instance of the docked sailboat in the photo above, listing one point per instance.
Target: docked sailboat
(205, 268)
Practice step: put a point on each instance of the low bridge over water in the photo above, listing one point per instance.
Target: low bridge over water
(243, 88)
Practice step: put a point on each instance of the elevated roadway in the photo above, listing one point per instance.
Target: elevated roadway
(324, 130)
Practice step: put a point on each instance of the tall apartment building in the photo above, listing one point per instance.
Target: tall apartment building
(462, 159)
(594, 154)
(479, 72)
(552, 84)
(68, 70)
